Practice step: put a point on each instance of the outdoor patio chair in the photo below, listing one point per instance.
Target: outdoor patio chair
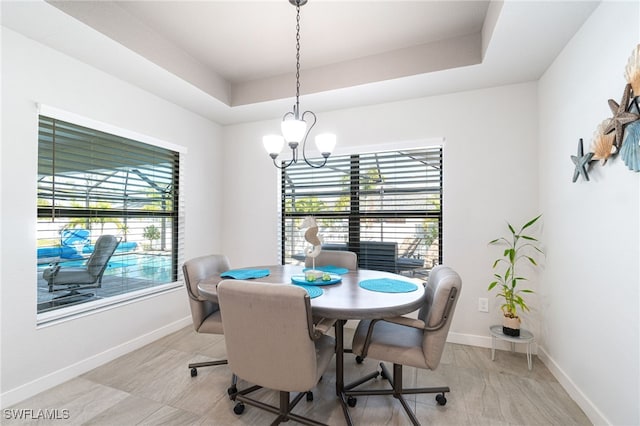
(59, 277)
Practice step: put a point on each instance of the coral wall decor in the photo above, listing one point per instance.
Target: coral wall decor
(619, 133)
(630, 151)
(604, 145)
(632, 71)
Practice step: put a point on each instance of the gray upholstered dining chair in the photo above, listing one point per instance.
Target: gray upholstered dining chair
(340, 258)
(204, 313)
(272, 342)
(406, 341)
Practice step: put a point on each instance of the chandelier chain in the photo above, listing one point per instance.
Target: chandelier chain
(297, 55)
(296, 126)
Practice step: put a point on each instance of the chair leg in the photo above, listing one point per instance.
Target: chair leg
(208, 363)
(397, 386)
(232, 390)
(397, 390)
(433, 389)
(362, 380)
(195, 365)
(283, 410)
(72, 297)
(285, 407)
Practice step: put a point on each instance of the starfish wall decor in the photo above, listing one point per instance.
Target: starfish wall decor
(581, 162)
(620, 133)
(621, 116)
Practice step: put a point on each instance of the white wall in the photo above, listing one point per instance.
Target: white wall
(33, 359)
(490, 163)
(590, 287)
(506, 158)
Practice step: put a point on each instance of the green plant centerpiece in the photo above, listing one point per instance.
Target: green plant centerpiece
(518, 249)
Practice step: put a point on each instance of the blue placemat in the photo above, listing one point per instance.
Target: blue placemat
(330, 269)
(388, 285)
(314, 291)
(300, 279)
(245, 274)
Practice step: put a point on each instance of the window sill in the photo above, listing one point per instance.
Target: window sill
(70, 313)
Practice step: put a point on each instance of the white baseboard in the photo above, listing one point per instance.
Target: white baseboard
(27, 390)
(590, 409)
(485, 342)
(469, 339)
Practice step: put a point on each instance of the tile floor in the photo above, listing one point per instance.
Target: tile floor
(152, 386)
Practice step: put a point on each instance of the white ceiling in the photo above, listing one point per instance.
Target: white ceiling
(235, 60)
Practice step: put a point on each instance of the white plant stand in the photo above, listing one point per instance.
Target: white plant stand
(525, 337)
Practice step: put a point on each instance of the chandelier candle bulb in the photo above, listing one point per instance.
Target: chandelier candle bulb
(293, 130)
(325, 143)
(273, 144)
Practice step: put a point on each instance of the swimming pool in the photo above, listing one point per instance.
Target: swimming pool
(152, 267)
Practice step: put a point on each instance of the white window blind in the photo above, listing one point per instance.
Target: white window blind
(384, 206)
(92, 183)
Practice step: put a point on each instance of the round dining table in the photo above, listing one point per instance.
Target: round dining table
(342, 301)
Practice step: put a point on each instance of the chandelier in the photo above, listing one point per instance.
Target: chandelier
(295, 126)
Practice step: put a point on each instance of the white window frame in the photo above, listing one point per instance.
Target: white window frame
(64, 314)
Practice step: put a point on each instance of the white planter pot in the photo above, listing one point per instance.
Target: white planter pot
(511, 326)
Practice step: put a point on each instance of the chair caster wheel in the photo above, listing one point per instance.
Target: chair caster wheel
(359, 359)
(194, 372)
(352, 401)
(440, 399)
(238, 408)
(309, 396)
(384, 376)
(232, 390)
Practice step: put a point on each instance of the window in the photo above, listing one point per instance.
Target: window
(384, 206)
(92, 183)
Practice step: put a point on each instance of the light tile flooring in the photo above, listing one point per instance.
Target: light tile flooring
(152, 386)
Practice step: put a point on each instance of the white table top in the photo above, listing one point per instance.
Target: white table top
(345, 300)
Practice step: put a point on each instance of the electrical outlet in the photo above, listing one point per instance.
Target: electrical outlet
(483, 304)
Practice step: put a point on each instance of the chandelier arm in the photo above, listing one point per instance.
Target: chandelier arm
(312, 164)
(304, 142)
(316, 166)
(282, 167)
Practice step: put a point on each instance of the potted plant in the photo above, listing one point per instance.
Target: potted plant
(518, 245)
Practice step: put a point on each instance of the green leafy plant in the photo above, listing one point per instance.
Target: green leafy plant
(151, 233)
(517, 246)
